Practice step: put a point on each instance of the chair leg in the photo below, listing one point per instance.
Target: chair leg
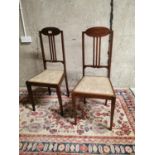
(112, 112)
(106, 102)
(84, 100)
(66, 81)
(60, 99)
(74, 109)
(30, 95)
(49, 91)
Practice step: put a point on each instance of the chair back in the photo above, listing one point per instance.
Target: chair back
(97, 33)
(51, 33)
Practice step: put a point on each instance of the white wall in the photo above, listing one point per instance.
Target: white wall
(73, 17)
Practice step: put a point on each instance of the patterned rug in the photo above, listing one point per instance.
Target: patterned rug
(46, 132)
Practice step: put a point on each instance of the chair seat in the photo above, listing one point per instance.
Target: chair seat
(48, 77)
(96, 85)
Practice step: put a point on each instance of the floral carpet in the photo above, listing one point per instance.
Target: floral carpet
(46, 132)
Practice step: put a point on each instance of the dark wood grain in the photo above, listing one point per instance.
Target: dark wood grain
(96, 33)
(50, 33)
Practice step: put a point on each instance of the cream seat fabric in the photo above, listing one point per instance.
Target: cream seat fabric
(48, 77)
(94, 85)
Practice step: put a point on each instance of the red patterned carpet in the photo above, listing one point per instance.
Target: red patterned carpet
(45, 131)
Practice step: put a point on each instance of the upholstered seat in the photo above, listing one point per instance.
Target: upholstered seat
(48, 77)
(95, 85)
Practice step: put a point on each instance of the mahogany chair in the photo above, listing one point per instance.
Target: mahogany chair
(50, 78)
(96, 86)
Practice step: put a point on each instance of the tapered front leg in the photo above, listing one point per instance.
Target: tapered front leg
(112, 112)
(74, 109)
(30, 95)
(66, 81)
(60, 99)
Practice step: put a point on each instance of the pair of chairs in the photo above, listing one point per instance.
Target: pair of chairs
(89, 86)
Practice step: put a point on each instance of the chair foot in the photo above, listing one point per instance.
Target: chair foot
(67, 92)
(110, 128)
(33, 108)
(61, 113)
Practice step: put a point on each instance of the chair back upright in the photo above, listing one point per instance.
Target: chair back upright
(51, 33)
(96, 33)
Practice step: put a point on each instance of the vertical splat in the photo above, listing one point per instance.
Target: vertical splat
(99, 51)
(96, 51)
(52, 47)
